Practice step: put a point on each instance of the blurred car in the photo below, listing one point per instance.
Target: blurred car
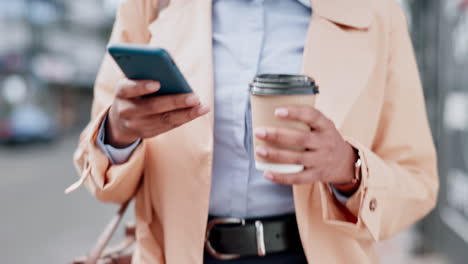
(21, 120)
(27, 123)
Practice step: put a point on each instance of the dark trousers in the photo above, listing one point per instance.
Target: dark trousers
(290, 258)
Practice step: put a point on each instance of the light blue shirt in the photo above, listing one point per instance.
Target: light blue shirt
(249, 37)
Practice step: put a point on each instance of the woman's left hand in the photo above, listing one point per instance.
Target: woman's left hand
(327, 157)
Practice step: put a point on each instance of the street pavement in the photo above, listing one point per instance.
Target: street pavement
(40, 224)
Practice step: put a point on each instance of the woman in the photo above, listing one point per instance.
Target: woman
(369, 158)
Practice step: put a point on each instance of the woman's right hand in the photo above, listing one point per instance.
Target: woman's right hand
(132, 116)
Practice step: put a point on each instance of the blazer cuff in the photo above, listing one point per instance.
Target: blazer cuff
(115, 155)
(360, 215)
(109, 183)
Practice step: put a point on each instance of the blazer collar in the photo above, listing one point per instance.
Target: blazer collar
(342, 71)
(351, 13)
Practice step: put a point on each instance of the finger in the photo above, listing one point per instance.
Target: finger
(166, 103)
(174, 119)
(131, 88)
(277, 155)
(304, 177)
(160, 123)
(126, 109)
(306, 114)
(287, 137)
(286, 156)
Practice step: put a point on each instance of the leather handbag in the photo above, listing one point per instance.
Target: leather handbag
(121, 253)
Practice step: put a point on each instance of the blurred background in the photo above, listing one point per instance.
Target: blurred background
(50, 51)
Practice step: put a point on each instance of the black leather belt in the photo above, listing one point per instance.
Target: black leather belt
(231, 238)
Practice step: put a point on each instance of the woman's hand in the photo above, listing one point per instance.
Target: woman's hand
(327, 156)
(132, 116)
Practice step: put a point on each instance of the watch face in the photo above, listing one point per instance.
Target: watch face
(358, 163)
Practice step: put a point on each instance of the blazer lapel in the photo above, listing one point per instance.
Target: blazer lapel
(184, 30)
(337, 51)
(355, 14)
(338, 55)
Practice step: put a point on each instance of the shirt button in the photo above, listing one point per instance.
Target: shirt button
(373, 205)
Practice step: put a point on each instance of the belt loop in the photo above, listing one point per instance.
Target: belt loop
(260, 238)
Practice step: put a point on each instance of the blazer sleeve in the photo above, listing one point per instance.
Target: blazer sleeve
(399, 183)
(107, 182)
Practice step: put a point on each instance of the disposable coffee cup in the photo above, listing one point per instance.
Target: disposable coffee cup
(269, 92)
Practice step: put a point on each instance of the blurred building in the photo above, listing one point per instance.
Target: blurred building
(49, 55)
(440, 32)
(440, 36)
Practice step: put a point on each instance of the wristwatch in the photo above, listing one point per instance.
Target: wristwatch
(357, 171)
(350, 188)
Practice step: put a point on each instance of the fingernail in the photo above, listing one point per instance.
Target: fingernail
(261, 152)
(268, 175)
(192, 100)
(152, 86)
(260, 132)
(281, 112)
(203, 110)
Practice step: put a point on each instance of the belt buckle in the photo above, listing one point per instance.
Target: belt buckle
(234, 221)
(221, 221)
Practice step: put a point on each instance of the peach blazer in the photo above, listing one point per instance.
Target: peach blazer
(360, 54)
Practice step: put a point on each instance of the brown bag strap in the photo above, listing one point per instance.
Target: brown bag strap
(106, 235)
